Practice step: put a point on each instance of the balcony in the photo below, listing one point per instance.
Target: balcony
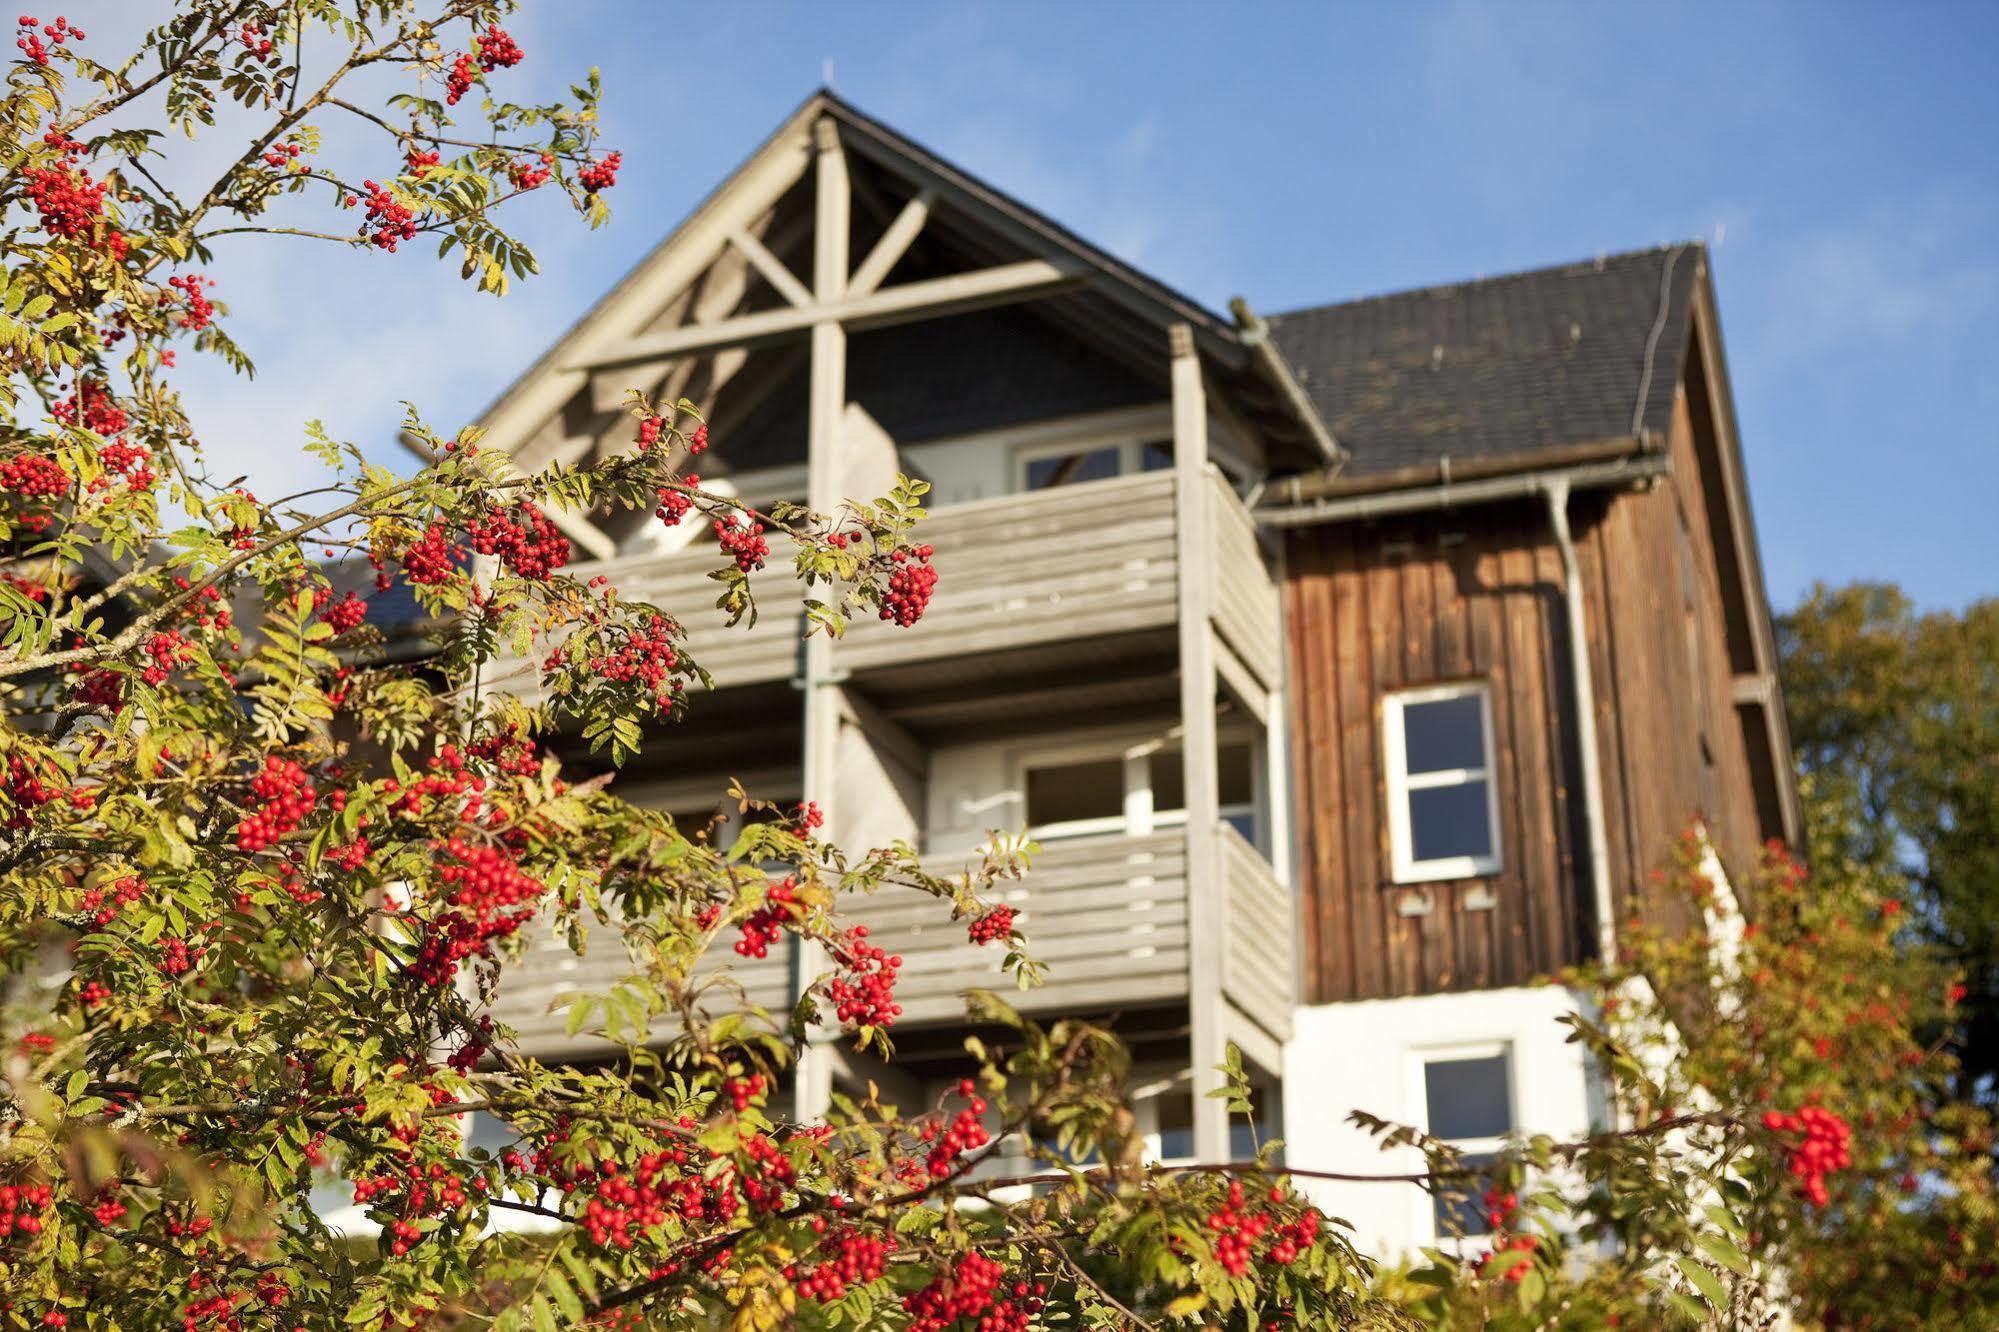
(1068, 568)
(1109, 917)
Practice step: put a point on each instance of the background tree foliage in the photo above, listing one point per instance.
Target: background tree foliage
(260, 878)
(1895, 715)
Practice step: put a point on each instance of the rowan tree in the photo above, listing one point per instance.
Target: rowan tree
(260, 877)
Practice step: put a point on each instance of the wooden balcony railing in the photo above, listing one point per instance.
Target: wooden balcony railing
(1083, 561)
(535, 989)
(1108, 916)
(1259, 964)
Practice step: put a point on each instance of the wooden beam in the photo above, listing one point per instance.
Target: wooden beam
(900, 304)
(894, 243)
(673, 264)
(826, 400)
(1207, 923)
(772, 268)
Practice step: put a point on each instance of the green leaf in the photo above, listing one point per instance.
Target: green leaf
(1705, 1281)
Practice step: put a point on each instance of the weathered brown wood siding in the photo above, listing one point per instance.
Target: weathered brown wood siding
(1376, 607)
(1477, 594)
(1673, 739)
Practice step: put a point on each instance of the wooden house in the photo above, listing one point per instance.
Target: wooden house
(1351, 667)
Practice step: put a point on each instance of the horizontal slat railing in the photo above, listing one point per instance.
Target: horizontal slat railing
(678, 583)
(1107, 915)
(1248, 605)
(1259, 962)
(535, 989)
(1079, 561)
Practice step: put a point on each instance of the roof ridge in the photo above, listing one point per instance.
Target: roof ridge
(1517, 275)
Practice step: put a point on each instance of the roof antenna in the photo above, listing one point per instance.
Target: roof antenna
(826, 72)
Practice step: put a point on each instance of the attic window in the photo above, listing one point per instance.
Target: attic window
(1044, 469)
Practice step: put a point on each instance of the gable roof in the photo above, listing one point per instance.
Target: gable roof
(1500, 367)
(1125, 297)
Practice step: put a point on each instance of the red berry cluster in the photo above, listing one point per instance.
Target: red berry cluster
(284, 795)
(71, 203)
(674, 501)
(419, 1191)
(743, 542)
(31, 43)
(994, 925)
(430, 559)
(345, 614)
(698, 441)
(165, 651)
(496, 49)
(524, 539)
(808, 818)
(200, 311)
(531, 175)
(93, 408)
(283, 154)
(742, 1093)
(847, 1257)
(33, 476)
(418, 164)
(1238, 1228)
(601, 175)
(177, 956)
(644, 655)
(1510, 1244)
(21, 1206)
(761, 928)
(461, 78)
(32, 783)
(490, 898)
(120, 458)
(1827, 1146)
(946, 1143)
(974, 1291)
(252, 38)
(388, 222)
(863, 994)
(909, 586)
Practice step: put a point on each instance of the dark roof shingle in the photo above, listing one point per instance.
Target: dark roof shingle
(1500, 366)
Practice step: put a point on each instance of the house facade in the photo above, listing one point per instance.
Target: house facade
(1350, 667)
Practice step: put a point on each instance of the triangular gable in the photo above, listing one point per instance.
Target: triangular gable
(718, 288)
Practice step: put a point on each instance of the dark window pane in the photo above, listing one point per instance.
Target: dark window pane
(1464, 1214)
(1155, 457)
(1468, 1098)
(1169, 787)
(1238, 783)
(1446, 821)
(1093, 790)
(1444, 734)
(1244, 823)
(1063, 469)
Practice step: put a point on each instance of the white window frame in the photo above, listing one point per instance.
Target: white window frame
(1406, 868)
(1139, 817)
(1418, 1070)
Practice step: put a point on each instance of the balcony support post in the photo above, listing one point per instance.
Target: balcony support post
(826, 404)
(1206, 903)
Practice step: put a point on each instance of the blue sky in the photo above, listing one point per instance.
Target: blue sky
(1839, 158)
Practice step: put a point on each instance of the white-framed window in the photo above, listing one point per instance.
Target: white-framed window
(1443, 800)
(1044, 466)
(1465, 1096)
(1130, 789)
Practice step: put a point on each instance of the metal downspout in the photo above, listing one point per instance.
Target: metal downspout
(1556, 492)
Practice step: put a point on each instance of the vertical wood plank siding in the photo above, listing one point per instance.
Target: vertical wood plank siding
(1477, 594)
